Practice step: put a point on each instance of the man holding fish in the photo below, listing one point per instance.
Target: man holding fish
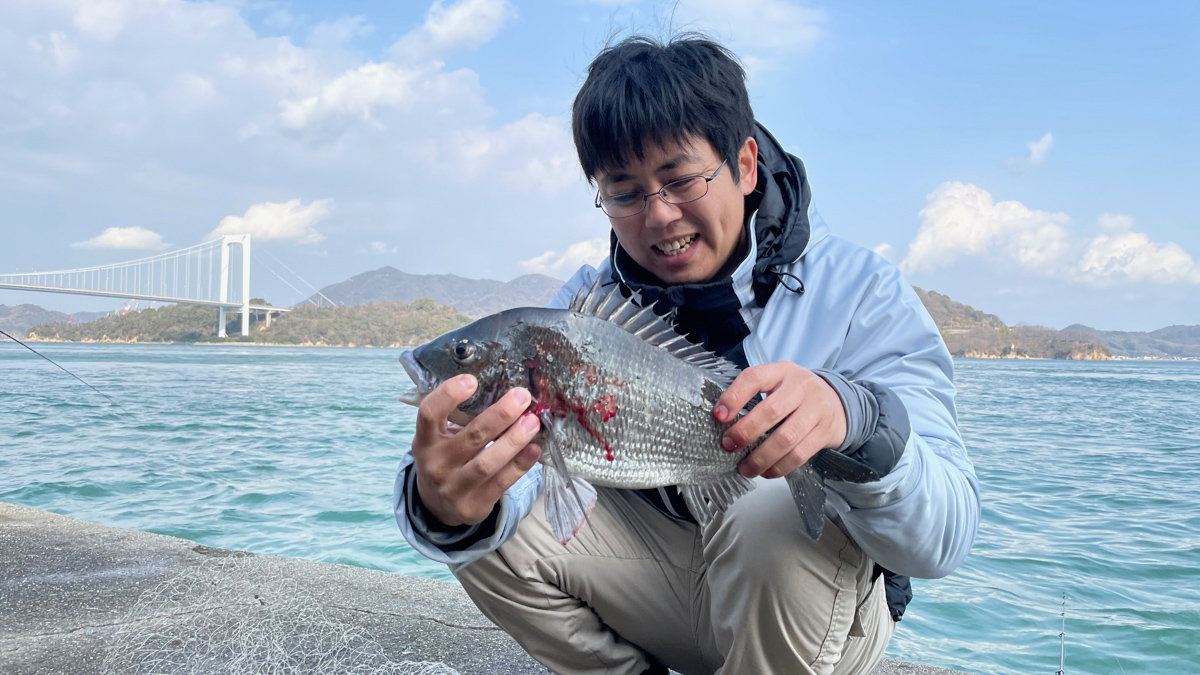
(601, 475)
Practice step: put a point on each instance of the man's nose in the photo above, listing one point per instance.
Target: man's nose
(660, 212)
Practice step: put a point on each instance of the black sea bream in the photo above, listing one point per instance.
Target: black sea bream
(624, 400)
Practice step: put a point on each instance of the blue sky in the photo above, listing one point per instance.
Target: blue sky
(1038, 161)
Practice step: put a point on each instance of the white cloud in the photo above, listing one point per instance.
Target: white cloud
(333, 34)
(64, 52)
(590, 252)
(290, 220)
(963, 220)
(356, 93)
(106, 20)
(123, 237)
(1037, 155)
(465, 24)
(887, 251)
(268, 119)
(103, 19)
(191, 91)
(380, 248)
(762, 32)
(1120, 254)
(533, 154)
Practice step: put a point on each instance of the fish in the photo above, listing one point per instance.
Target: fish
(625, 401)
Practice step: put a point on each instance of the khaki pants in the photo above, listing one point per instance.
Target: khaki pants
(748, 594)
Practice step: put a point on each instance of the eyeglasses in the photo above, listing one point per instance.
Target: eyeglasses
(678, 191)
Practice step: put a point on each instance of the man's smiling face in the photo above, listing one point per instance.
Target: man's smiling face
(687, 243)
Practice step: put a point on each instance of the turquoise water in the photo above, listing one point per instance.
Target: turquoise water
(1089, 470)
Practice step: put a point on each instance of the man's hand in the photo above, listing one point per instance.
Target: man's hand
(459, 476)
(808, 412)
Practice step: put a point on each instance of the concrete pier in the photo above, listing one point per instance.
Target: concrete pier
(76, 597)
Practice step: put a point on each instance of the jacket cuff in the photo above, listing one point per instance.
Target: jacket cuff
(445, 537)
(877, 426)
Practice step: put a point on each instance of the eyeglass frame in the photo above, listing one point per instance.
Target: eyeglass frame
(661, 192)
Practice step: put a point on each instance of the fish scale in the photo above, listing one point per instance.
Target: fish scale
(647, 386)
(625, 402)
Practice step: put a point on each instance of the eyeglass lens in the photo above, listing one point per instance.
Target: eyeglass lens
(676, 192)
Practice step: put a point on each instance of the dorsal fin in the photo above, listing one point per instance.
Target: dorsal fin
(614, 307)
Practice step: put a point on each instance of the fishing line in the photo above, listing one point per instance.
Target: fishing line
(110, 399)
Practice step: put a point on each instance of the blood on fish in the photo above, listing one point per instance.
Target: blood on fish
(605, 406)
(548, 400)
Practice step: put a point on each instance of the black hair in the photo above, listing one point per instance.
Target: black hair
(641, 91)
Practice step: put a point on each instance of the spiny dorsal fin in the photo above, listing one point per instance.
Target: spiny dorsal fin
(614, 307)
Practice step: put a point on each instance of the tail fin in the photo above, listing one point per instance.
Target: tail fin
(809, 494)
(833, 465)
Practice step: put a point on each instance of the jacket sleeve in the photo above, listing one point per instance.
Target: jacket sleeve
(462, 546)
(921, 518)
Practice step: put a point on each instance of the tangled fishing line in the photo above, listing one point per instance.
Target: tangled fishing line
(241, 616)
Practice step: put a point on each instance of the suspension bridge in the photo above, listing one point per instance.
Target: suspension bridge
(196, 275)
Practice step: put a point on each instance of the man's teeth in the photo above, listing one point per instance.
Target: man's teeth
(678, 246)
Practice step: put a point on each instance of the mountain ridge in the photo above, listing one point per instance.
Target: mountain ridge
(967, 332)
(473, 297)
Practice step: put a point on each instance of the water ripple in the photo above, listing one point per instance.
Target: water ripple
(1089, 475)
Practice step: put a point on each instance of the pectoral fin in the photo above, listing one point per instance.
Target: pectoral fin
(568, 500)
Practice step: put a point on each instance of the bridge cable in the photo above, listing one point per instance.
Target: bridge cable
(110, 399)
(298, 291)
(297, 275)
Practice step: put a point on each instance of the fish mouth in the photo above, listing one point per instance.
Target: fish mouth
(425, 380)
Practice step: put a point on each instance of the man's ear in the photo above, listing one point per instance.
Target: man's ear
(748, 165)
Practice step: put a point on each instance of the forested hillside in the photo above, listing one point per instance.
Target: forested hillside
(382, 324)
(971, 333)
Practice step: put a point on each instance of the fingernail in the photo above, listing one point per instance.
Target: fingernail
(728, 444)
(530, 422)
(522, 396)
(467, 382)
(720, 413)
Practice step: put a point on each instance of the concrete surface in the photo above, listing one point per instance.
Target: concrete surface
(72, 593)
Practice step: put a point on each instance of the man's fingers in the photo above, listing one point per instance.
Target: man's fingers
(745, 386)
(512, 472)
(492, 459)
(793, 459)
(435, 410)
(784, 439)
(775, 408)
(489, 424)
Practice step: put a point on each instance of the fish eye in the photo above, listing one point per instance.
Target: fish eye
(464, 351)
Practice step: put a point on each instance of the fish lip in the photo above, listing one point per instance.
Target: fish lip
(425, 380)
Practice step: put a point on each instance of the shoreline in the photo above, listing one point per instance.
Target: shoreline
(77, 597)
(237, 343)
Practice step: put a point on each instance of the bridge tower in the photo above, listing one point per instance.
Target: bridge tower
(228, 240)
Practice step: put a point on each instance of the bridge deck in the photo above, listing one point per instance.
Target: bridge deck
(138, 296)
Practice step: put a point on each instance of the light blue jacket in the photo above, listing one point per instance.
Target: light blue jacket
(860, 318)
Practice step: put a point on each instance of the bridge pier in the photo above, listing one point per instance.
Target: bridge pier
(221, 322)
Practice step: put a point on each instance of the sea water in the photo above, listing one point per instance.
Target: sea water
(1089, 473)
